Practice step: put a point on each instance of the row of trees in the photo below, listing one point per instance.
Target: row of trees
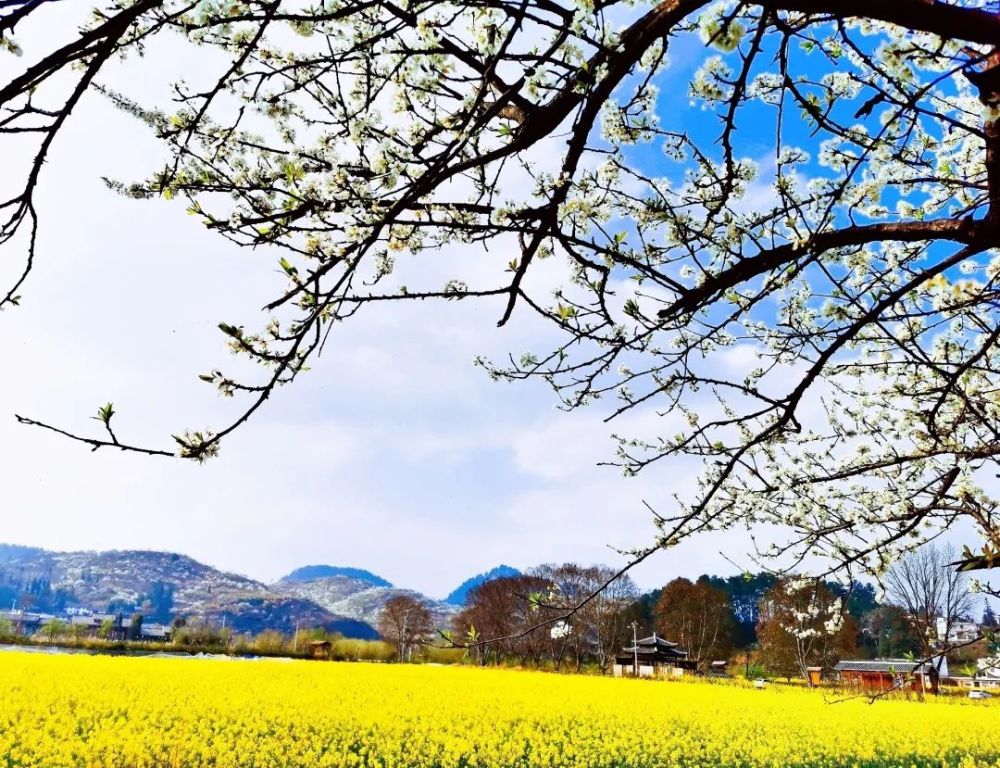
(34, 593)
(525, 617)
(564, 615)
(560, 616)
(795, 624)
(196, 635)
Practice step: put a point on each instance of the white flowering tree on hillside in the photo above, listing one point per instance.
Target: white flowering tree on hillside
(829, 211)
(802, 625)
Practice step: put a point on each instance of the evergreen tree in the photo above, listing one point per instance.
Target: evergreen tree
(989, 618)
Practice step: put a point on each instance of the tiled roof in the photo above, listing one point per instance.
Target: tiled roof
(654, 644)
(20, 616)
(656, 640)
(897, 666)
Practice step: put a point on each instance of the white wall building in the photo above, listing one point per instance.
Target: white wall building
(958, 632)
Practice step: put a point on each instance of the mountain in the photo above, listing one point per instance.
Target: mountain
(162, 585)
(285, 614)
(97, 580)
(357, 598)
(325, 590)
(159, 584)
(461, 593)
(310, 572)
(15, 552)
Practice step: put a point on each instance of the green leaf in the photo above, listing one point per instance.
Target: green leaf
(105, 412)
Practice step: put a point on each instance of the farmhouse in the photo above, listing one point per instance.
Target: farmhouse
(111, 624)
(987, 676)
(718, 669)
(154, 632)
(23, 623)
(319, 649)
(874, 676)
(956, 632)
(653, 657)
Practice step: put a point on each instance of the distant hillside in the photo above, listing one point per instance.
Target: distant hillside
(16, 551)
(311, 572)
(357, 598)
(285, 614)
(461, 593)
(160, 585)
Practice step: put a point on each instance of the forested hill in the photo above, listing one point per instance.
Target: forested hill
(460, 594)
(310, 572)
(166, 585)
(160, 585)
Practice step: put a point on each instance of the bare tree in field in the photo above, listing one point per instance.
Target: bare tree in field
(607, 613)
(800, 274)
(697, 616)
(567, 585)
(405, 622)
(926, 586)
(507, 617)
(597, 630)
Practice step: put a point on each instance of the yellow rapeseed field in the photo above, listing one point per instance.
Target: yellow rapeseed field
(99, 712)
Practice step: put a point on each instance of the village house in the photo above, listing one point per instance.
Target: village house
(986, 677)
(109, 626)
(23, 623)
(159, 633)
(319, 649)
(882, 675)
(958, 632)
(718, 669)
(93, 624)
(653, 657)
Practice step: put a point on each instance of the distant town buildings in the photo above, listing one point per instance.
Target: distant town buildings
(84, 623)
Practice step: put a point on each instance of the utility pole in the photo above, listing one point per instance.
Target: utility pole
(635, 648)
